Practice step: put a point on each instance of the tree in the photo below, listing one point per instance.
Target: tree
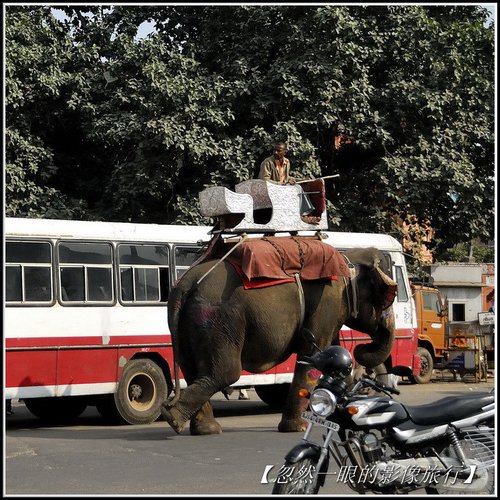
(396, 99)
(405, 83)
(37, 51)
(474, 251)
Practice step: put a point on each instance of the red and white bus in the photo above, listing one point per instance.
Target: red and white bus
(85, 317)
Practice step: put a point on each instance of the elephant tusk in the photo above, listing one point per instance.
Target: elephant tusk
(386, 279)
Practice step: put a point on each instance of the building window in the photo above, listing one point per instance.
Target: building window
(28, 272)
(457, 312)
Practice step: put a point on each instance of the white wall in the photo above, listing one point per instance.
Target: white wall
(460, 272)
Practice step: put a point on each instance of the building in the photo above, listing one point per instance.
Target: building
(467, 289)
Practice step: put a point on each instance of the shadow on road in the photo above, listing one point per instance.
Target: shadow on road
(23, 419)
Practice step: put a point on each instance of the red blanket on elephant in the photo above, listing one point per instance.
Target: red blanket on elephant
(270, 260)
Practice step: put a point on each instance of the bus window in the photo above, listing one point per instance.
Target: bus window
(143, 273)
(402, 290)
(13, 283)
(85, 271)
(99, 284)
(184, 259)
(388, 262)
(73, 284)
(28, 276)
(147, 284)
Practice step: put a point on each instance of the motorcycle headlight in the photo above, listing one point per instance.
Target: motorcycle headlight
(322, 402)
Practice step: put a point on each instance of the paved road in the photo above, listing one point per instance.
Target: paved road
(90, 458)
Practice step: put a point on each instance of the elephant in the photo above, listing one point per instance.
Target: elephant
(219, 329)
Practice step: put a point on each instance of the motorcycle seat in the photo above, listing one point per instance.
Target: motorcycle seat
(449, 409)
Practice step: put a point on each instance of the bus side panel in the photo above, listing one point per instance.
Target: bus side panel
(161, 355)
(405, 347)
(86, 366)
(29, 369)
(101, 361)
(403, 350)
(285, 370)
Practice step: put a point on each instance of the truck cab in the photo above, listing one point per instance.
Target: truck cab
(432, 318)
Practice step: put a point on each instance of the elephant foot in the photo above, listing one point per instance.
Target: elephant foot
(292, 425)
(204, 427)
(174, 417)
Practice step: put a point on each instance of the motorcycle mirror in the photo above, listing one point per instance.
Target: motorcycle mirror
(305, 360)
(310, 338)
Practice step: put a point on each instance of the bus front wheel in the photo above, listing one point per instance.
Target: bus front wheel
(141, 391)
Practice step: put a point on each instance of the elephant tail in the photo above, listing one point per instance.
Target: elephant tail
(176, 303)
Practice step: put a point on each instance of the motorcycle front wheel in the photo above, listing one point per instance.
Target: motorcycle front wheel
(300, 478)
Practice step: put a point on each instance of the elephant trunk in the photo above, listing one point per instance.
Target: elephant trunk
(375, 353)
(376, 315)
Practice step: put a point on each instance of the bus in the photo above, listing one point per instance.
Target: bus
(86, 324)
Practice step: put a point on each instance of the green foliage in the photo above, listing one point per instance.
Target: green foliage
(118, 128)
(43, 138)
(462, 252)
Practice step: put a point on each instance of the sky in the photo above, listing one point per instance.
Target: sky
(492, 8)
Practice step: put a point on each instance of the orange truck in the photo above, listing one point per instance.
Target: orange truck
(432, 318)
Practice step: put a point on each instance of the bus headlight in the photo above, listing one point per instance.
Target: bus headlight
(322, 402)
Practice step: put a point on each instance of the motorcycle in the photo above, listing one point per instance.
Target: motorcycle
(383, 446)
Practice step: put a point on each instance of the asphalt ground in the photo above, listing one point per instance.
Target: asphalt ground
(89, 458)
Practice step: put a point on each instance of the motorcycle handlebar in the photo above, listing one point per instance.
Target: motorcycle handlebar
(307, 360)
(381, 387)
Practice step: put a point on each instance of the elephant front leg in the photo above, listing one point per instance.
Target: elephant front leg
(291, 420)
(194, 400)
(175, 416)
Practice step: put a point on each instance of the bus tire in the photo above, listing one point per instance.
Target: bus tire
(106, 407)
(141, 391)
(426, 367)
(274, 395)
(56, 409)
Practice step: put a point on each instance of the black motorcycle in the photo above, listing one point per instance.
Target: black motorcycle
(383, 446)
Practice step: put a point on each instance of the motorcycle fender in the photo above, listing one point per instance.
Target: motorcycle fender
(303, 450)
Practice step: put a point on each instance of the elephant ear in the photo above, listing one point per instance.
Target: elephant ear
(392, 288)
